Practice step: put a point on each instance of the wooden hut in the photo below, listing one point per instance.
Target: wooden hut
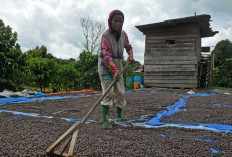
(173, 51)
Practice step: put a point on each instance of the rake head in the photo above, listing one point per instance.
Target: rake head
(70, 141)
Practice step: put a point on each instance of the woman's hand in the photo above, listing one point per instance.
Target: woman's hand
(117, 75)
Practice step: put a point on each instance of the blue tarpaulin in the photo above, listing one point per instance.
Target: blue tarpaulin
(34, 98)
(39, 116)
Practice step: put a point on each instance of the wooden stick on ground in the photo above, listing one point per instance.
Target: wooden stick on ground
(63, 147)
(73, 143)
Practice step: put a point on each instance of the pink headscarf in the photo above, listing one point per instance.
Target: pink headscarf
(112, 14)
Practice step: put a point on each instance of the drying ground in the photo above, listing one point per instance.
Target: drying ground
(31, 136)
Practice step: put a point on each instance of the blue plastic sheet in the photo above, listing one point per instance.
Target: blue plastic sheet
(210, 127)
(77, 120)
(39, 94)
(170, 110)
(214, 150)
(223, 105)
(39, 116)
(26, 114)
(34, 98)
(9, 100)
(205, 140)
(177, 107)
(141, 121)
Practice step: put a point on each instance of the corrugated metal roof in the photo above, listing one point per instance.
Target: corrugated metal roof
(202, 20)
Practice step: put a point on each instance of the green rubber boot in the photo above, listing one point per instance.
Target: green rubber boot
(105, 118)
(119, 114)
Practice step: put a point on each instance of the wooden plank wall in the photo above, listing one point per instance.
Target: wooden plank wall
(198, 52)
(172, 66)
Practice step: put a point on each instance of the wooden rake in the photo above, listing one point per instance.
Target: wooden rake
(67, 139)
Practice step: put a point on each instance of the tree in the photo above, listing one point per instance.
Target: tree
(92, 31)
(223, 74)
(43, 51)
(222, 51)
(72, 60)
(39, 52)
(11, 60)
(135, 64)
(65, 77)
(41, 71)
(87, 71)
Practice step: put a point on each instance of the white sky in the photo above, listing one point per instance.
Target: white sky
(56, 23)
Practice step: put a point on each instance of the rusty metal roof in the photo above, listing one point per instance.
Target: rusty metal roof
(202, 20)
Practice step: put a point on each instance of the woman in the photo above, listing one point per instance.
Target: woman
(113, 42)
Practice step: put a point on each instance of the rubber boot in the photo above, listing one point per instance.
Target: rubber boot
(119, 114)
(105, 118)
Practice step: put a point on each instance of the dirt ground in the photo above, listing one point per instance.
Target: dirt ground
(31, 136)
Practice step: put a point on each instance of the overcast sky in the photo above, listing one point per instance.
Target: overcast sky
(56, 23)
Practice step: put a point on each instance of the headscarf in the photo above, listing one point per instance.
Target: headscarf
(112, 14)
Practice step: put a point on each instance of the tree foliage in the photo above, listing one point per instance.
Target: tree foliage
(39, 52)
(135, 64)
(222, 73)
(11, 59)
(87, 71)
(65, 77)
(222, 51)
(40, 71)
